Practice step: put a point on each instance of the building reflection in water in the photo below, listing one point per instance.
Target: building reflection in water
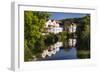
(72, 42)
(53, 49)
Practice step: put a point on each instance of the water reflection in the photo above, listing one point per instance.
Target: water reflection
(59, 51)
(62, 50)
(63, 54)
(52, 49)
(72, 42)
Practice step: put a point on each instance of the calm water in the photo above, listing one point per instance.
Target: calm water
(58, 52)
(62, 51)
(63, 54)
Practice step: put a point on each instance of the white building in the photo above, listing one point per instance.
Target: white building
(55, 29)
(53, 26)
(72, 28)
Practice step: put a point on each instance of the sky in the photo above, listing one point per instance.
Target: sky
(59, 15)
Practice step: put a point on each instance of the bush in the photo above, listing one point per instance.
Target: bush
(51, 39)
(27, 52)
(62, 36)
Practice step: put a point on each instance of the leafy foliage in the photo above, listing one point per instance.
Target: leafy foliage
(83, 33)
(34, 23)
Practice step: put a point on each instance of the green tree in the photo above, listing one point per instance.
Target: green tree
(34, 23)
(83, 33)
(50, 39)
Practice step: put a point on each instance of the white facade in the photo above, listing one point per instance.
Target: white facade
(53, 27)
(55, 30)
(72, 28)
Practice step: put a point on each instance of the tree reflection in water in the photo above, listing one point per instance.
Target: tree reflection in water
(61, 51)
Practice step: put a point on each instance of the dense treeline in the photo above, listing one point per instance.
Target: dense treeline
(33, 26)
(83, 33)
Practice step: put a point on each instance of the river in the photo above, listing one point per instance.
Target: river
(63, 51)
